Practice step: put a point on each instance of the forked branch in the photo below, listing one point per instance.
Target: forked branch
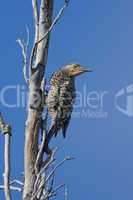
(24, 47)
(59, 15)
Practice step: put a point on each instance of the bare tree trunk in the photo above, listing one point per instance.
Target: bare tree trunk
(35, 98)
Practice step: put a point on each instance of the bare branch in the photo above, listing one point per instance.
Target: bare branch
(58, 187)
(42, 181)
(6, 129)
(49, 192)
(7, 166)
(40, 154)
(16, 182)
(12, 188)
(28, 37)
(49, 30)
(41, 151)
(50, 188)
(57, 166)
(24, 46)
(54, 21)
(48, 161)
(36, 18)
(66, 194)
(40, 188)
(35, 11)
(54, 191)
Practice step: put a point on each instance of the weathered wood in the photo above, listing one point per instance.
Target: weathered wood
(6, 130)
(34, 110)
(7, 167)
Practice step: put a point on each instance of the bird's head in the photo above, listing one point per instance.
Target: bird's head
(75, 69)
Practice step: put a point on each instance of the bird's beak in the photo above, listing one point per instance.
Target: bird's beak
(84, 69)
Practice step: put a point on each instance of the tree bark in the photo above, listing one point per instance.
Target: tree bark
(35, 99)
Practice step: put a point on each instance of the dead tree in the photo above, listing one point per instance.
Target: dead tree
(38, 157)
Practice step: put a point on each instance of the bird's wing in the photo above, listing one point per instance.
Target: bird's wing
(66, 106)
(53, 104)
(53, 101)
(66, 124)
(54, 92)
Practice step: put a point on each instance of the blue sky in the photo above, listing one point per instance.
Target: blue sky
(93, 33)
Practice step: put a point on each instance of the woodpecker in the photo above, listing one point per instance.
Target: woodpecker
(61, 96)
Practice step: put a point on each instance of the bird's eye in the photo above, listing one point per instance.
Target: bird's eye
(75, 66)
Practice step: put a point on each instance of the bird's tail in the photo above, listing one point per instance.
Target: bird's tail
(49, 136)
(53, 131)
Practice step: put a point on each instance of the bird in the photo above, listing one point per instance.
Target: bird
(61, 97)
